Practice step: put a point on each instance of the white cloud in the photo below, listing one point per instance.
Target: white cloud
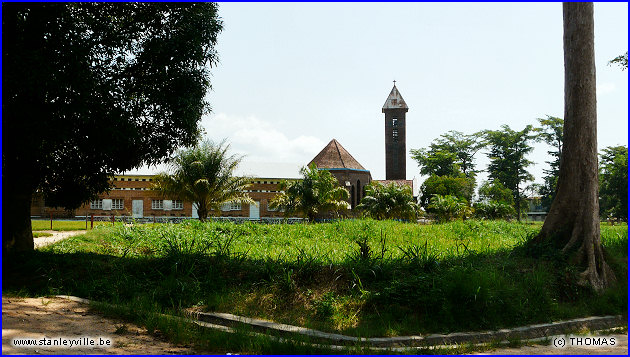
(260, 140)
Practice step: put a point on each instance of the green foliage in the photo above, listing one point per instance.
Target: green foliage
(457, 276)
(551, 132)
(613, 175)
(447, 208)
(460, 187)
(43, 225)
(450, 155)
(92, 89)
(495, 191)
(204, 175)
(391, 201)
(436, 162)
(98, 88)
(621, 61)
(317, 193)
(508, 164)
(493, 210)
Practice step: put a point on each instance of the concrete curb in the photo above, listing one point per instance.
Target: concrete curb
(226, 321)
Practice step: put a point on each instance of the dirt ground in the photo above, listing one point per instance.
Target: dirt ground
(56, 236)
(36, 318)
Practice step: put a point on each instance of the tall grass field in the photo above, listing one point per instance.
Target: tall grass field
(357, 277)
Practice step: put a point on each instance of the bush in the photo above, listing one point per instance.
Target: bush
(447, 208)
(493, 210)
(459, 187)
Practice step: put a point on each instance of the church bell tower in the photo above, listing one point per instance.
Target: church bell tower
(395, 110)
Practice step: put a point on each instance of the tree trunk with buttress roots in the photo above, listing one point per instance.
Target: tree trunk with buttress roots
(573, 220)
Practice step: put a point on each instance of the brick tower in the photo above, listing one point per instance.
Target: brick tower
(395, 110)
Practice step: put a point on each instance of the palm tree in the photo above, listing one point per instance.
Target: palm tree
(204, 175)
(317, 193)
(389, 201)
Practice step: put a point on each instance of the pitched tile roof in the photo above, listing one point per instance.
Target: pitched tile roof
(334, 156)
(395, 100)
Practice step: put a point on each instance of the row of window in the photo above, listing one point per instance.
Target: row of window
(130, 179)
(119, 204)
(167, 204)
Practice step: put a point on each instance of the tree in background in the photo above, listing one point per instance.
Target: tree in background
(437, 162)
(449, 163)
(621, 61)
(494, 190)
(449, 155)
(447, 207)
(317, 193)
(572, 224)
(508, 164)
(613, 178)
(391, 201)
(204, 175)
(459, 187)
(550, 131)
(495, 201)
(92, 89)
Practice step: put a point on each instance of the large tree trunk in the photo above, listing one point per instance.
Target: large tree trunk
(573, 220)
(17, 234)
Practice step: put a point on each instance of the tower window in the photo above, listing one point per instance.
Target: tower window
(395, 135)
(395, 122)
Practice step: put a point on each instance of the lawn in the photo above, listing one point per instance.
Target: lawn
(59, 225)
(356, 277)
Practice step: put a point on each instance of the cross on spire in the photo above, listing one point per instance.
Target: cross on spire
(394, 82)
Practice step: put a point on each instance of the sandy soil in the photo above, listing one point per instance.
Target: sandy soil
(36, 318)
(56, 236)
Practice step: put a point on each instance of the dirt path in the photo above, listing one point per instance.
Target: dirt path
(38, 318)
(56, 236)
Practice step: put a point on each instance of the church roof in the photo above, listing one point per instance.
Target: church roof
(334, 156)
(395, 100)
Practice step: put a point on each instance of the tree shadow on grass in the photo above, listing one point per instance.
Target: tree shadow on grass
(361, 296)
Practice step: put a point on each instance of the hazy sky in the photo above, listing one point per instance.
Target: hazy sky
(293, 76)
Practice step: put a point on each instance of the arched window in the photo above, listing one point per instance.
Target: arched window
(352, 197)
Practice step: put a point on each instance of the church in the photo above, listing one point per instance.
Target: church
(132, 196)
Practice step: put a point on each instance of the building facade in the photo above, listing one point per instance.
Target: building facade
(133, 196)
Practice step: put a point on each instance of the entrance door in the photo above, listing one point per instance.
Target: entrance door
(195, 214)
(136, 209)
(254, 211)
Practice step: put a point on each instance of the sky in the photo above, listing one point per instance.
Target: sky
(293, 76)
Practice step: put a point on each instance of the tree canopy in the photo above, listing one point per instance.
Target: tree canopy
(91, 89)
(551, 132)
(613, 191)
(205, 176)
(452, 154)
(508, 163)
(317, 193)
(621, 61)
